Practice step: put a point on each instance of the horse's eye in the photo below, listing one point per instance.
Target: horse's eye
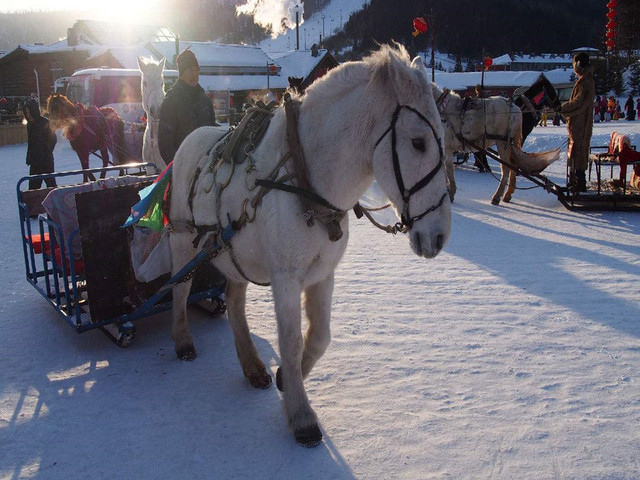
(418, 144)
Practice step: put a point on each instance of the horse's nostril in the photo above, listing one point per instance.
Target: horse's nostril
(439, 242)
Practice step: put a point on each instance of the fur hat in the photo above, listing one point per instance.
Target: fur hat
(186, 60)
(582, 59)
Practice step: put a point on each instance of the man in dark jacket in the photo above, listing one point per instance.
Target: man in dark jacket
(41, 140)
(185, 107)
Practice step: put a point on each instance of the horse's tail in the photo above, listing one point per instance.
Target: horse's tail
(533, 163)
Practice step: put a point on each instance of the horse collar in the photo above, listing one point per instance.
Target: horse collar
(443, 100)
(406, 220)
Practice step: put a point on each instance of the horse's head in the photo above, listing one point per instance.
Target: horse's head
(61, 110)
(408, 159)
(152, 85)
(295, 84)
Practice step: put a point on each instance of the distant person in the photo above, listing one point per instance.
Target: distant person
(543, 119)
(630, 109)
(603, 108)
(579, 113)
(185, 107)
(41, 140)
(480, 158)
(617, 112)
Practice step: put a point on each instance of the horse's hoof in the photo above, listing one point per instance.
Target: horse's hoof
(187, 353)
(495, 201)
(309, 436)
(279, 380)
(260, 380)
(506, 199)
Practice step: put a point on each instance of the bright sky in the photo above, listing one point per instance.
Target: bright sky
(133, 11)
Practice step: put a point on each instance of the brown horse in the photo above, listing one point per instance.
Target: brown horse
(90, 130)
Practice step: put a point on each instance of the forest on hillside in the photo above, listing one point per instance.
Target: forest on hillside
(466, 28)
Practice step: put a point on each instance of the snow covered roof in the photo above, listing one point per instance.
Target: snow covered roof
(298, 63)
(217, 54)
(543, 58)
(502, 60)
(463, 80)
(60, 46)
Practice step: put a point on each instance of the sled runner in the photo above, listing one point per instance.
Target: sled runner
(78, 258)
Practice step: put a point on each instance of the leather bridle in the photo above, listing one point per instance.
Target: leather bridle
(406, 220)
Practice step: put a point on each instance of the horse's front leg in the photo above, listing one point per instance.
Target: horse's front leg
(300, 416)
(104, 154)
(84, 163)
(252, 365)
(182, 252)
(317, 305)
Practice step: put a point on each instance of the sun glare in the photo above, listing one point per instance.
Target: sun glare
(124, 11)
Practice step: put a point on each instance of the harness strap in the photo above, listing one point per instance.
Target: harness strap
(298, 191)
(331, 220)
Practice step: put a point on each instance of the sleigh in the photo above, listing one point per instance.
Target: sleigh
(78, 257)
(596, 198)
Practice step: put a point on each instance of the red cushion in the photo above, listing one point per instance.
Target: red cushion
(78, 264)
(36, 241)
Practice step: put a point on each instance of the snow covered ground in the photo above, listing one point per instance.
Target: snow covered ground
(513, 354)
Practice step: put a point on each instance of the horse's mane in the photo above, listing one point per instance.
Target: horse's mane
(388, 68)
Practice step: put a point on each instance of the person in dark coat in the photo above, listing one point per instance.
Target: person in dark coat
(185, 107)
(579, 113)
(630, 108)
(41, 140)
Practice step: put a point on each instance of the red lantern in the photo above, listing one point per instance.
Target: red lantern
(612, 4)
(419, 26)
(610, 44)
(488, 61)
(611, 25)
(610, 34)
(611, 14)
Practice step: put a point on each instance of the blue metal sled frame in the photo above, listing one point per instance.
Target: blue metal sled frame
(62, 286)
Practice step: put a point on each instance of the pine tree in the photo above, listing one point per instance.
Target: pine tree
(458, 65)
(634, 79)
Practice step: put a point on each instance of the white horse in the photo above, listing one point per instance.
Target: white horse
(375, 118)
(152, 96)
(487, 122)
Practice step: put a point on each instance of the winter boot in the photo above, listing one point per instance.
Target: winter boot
(581, 181)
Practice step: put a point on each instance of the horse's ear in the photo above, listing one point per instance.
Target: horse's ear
(418, 64)
(141, 64)
(161, 64)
